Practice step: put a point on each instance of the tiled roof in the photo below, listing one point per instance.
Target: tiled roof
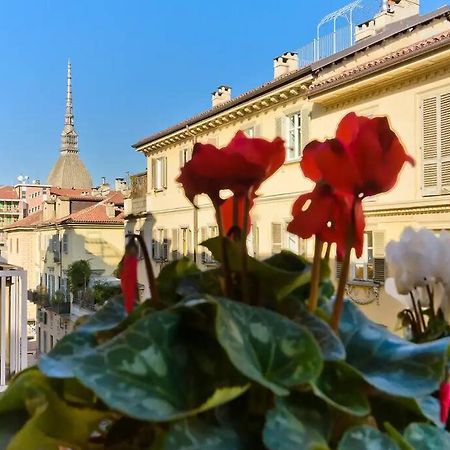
(390, 31)
(96, 213)
(69, 192)
(8, 193)
(27, 222)
(379, 63)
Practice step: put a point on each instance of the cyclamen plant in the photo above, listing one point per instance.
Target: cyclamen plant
(251, 354)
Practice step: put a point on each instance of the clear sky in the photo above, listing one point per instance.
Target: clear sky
(138, 66)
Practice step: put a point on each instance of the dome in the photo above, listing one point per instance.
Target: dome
(70, 172)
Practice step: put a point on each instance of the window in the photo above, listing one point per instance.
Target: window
(185, 156)
(363, 267)
(44, 347)
(159, 173)
(295, 244)
(250, 132)
(160, 245)
(435, 148)
(51, 341)
(294, 136)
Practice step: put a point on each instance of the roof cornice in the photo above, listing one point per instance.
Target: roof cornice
(226, 116)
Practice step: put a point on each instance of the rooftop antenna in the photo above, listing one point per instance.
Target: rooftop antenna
(23, 178)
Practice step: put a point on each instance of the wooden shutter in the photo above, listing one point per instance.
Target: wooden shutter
(276, 238)
(164, 171)
(445, 142)
(175, 254)
(153, 173)
(65, 243)
(255, 238)
(338, 269)
(430, 145)
(181, 158)
(280, 127)
(165, 245)
(379, 268)
(305, 122)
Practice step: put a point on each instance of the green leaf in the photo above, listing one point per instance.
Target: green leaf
(422, 436)
(366, 438)
(196, 435)
(159, 369)
(51, 421)
(267, 347)
(272, 280)
(292, 427)
(330, 345)
(388, 362)
(60, 362)
(106, 318)
(171, 276)
(397, 437)
(343, 388)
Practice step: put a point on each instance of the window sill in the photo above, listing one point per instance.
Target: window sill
(159, 190)
(292, 161)
(366, 283)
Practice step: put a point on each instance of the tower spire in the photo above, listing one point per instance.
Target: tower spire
(69, 137)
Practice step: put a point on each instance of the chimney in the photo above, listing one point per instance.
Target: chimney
(111, 210)
(287, 62)
(221, 95)
(391, 12)
(120, 184)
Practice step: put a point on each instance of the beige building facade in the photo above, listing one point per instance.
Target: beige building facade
(397, 68)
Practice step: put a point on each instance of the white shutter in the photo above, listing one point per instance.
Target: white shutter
(164, 172)
(430, 145)
(154, 173)
(175, 254)
(276, 238)
(445, 142)
(255, 240)
(305, 121)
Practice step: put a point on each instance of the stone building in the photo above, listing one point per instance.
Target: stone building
(398, 66)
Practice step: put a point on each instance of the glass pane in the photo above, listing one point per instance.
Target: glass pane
(292, 122)
(359, 271)
(291, 138)
(369, 239)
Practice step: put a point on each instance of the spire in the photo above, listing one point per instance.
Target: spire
(69, 137)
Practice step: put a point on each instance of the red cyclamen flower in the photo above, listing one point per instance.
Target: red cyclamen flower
(329, 216)
(241, 167)
(128, 280)
(227, 209)
(364, 159)
(444, 400)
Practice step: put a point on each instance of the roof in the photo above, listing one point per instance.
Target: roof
(8, 193)
(93, 214)
(69, 192)
(27, 222)
(390, 31)
(396, 57)
(70, 172)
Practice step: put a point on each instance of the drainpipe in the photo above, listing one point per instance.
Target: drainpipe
(195, 211)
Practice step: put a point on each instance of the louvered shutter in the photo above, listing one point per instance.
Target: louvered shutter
(305, 115)
(338, 269)
(181, 158)
(445, 142)
(66, 243)
(165, 245)
(164, 172)
(430, 148)
(379, 264)
(276, 238)
(255, 240)
(175, 254)
(153, 173)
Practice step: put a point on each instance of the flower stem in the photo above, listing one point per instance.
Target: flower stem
(244, 254)
(149, 268)
(225, 261)
(416, 312)
(315, 276)
(431, 298)
(339, 303)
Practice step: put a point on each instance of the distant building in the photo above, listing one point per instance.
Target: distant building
(11, 209)
(73, 224)
(69, 170)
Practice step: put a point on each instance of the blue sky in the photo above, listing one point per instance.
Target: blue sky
(138, 66)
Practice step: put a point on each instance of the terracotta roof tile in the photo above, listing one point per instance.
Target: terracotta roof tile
(27, 222)
(8, 193)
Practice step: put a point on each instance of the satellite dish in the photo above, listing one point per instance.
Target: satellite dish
(23, 178)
